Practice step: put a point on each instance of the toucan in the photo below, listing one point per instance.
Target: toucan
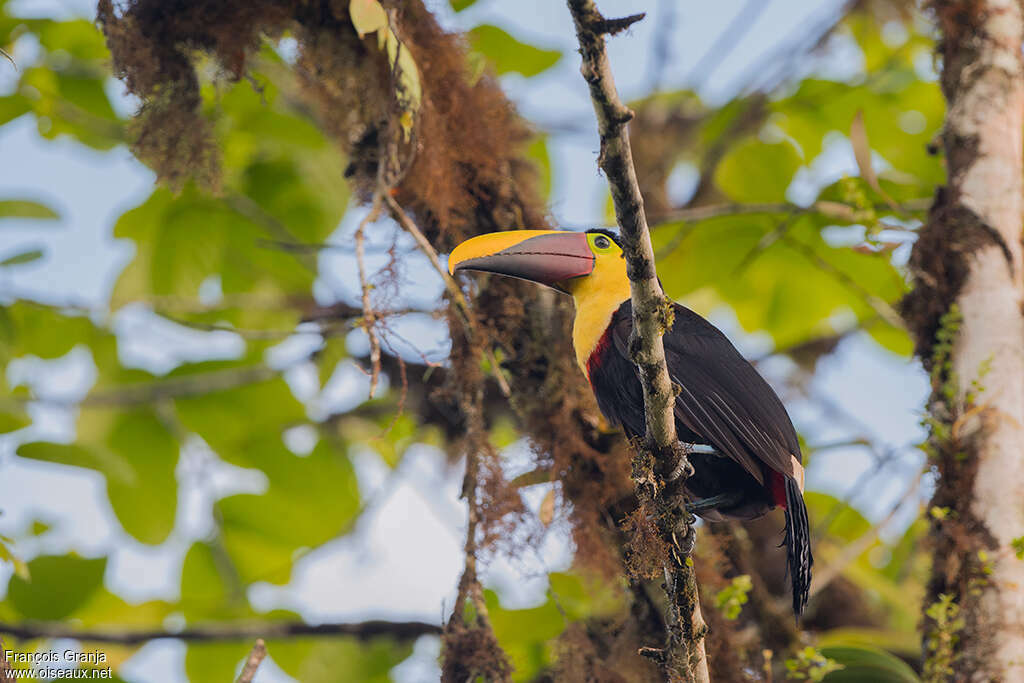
(755, 463)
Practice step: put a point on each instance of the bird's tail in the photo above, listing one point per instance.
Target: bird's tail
(798, 545)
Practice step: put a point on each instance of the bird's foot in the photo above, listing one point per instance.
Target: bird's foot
(689, 540)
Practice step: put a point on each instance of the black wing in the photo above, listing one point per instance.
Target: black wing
(723, 400)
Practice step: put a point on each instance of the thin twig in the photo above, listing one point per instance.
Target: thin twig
(399, 214)
(662, 44)
(311, 247)
(270, 630)
(773, 66)
(403, 393)
(369, 315)
(469, 584)
(461, 305)
(684, 654)
(4, 53)
(151, 392)
(256, 657)
(251, 209)
(854, 549)
(881, 307)
(242, 332)
(837, 210)
(882, 460)
(726, 41)
(767, 240)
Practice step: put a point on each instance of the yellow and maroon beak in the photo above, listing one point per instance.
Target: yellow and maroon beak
(548, 257)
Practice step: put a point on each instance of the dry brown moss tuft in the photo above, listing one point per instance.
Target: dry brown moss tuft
(464, 172)
(154, 44)
(603, 651)
(471, 653)
(646, 553)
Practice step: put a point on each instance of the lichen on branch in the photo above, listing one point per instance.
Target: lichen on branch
(683, 654)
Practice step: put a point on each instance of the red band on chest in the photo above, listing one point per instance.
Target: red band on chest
(597, 355)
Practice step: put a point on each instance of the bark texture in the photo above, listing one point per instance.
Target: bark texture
(966, 311)
(684, 654)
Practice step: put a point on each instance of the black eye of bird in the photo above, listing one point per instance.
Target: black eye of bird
(602, 242)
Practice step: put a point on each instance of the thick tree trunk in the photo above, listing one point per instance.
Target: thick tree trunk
(966, 312)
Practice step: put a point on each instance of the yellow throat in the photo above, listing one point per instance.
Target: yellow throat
(597, 296)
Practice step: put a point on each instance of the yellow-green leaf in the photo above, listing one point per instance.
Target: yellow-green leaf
(509, 55)
(24, 208)
(58, 586)
(367, 16)
(22, 257)
(755, 171)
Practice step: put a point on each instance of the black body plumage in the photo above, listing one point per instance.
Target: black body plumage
(723, 403)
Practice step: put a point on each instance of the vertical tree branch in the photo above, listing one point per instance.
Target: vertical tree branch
(966, 312)
(684, 653)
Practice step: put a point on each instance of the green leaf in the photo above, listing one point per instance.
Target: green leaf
(209, 588)
(137, 455)
(6, 555)
(311, 500)
(524, 634)
(214, 662)
(181, 241)
(730, 600)
(210, 591)
(509, 55)
(906, 642)
(13, 106)
(22, 258)
(755, 171)
(847, 523)
(329, 356)
(867, 664)
(319, 660)
(59, 585)
(24, 208)
(776, 273)
(30, 328)
(459, 5)
(894, 339)
(105, 608)
(243, 425)
(79, 38)
(74, 103)
(11, 421)
(819, 108)
(584, 597)
(408, 90)
(538, 153)
(367, 16)
(146, 507)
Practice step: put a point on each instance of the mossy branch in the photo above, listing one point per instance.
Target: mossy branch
(683, 655)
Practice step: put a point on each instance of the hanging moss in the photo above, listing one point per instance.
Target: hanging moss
(462, 171)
